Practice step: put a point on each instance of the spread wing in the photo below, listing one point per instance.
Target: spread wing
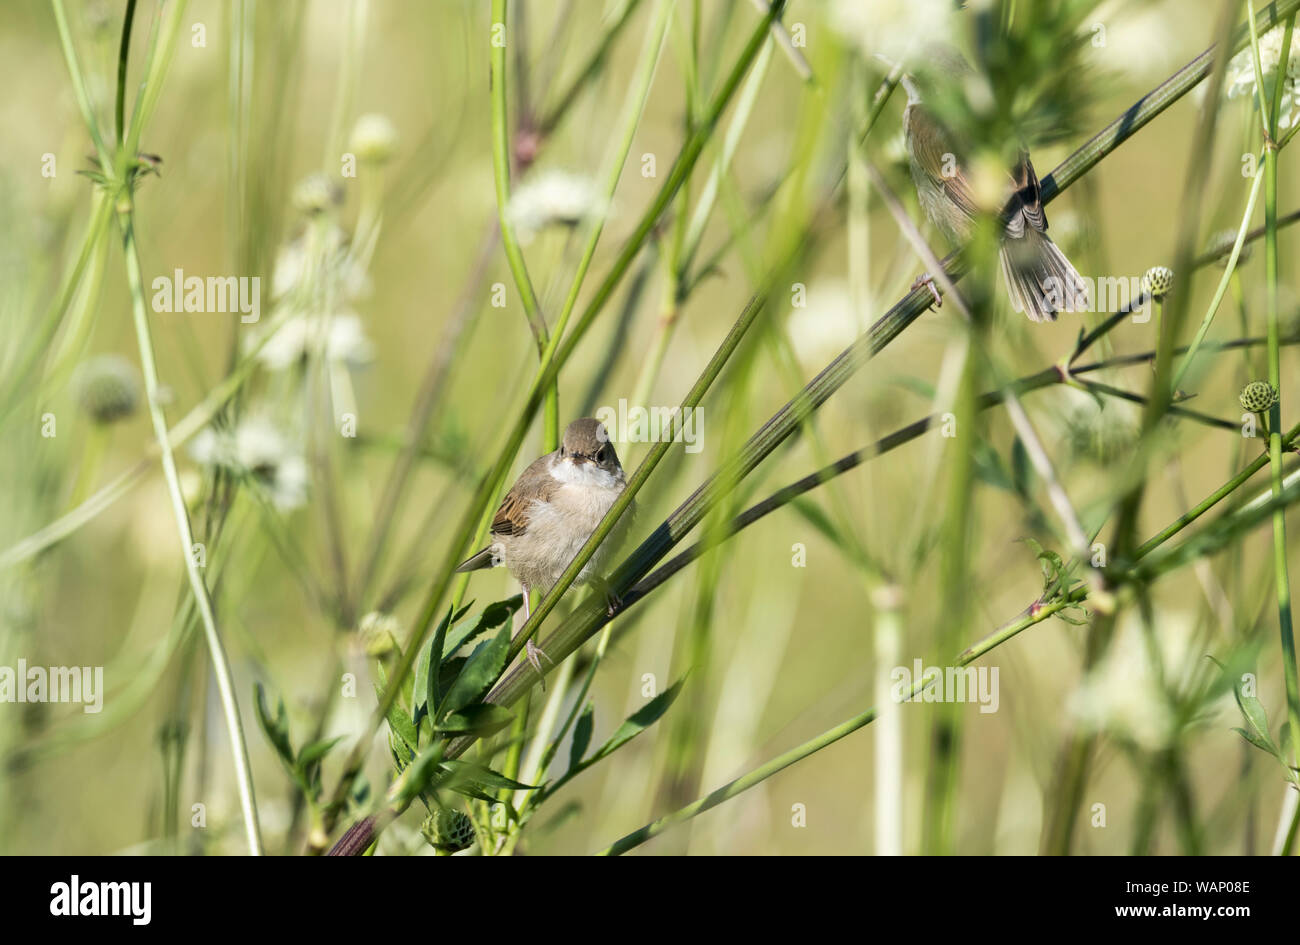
(936, 155)
(1025, 205)
(535, 483)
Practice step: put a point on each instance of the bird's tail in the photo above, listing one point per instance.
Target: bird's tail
(487, 558)
(1040, 279)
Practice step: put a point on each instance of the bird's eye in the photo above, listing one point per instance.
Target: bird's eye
(600, 455)
(563, 452)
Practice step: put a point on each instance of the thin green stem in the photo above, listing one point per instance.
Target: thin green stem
(216, 651)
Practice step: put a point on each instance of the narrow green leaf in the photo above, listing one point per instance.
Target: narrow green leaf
(582, 730)
(277, 729)
(641, 720)
(315, 751)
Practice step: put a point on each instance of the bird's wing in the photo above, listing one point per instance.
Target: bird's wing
(935, 154)
(534, 484)
(1025, 205)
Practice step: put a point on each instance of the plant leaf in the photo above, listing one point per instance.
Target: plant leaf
(582, 735)
(482, 718)
(277, 729)
(641, 719)
(480, 672)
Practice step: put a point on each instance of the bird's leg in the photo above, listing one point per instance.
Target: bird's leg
(533, 651)
(613, 603)
(927, 280)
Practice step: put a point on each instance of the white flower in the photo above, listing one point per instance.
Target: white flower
(1123, 694)
(374, 139)
(1240, 76)
(256, 448)
(553, 198)
(317, 264)
(340, 338)
(826, 325)
(893, 28)
(316, 193)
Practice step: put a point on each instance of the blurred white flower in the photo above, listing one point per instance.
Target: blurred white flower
(896, 29)
(374, 139)
(316, 193)
(553, 198)
(256, 448)
(316, 263)
(1123, 695)
(826, 325)
(1240, 77)
(340, 338)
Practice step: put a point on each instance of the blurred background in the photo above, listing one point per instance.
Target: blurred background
(778, 627)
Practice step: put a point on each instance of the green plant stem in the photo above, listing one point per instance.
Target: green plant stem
(216, 651)
(1228, 273)
(501, 179)
(1035, 614)
(124, 50)
(1281, 575)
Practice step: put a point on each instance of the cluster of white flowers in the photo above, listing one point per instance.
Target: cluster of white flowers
(256, 448)
(1125, 694)
(338, 338)
(553, 198)
(892, 28)
(1240, 78)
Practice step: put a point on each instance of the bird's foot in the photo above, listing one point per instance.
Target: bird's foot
(927, 280)
(535, 653)
(613, 602)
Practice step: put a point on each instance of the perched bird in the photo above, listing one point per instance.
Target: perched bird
(551, 511)
(1039, 278)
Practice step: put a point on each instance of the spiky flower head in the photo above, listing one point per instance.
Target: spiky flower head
(108, 388)
(1158, 281)
(374, 139)
(1258, 396)
(449, 830)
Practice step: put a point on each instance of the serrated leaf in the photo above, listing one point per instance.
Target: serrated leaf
(582, 730)
(277, 729)
(641, 719)
(482, 718)
(480, 672)
(491, 617)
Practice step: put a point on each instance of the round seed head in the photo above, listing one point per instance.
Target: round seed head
(449, 830)
(108, 389)
(1158, 281)
(1258, 396)
(374, 139)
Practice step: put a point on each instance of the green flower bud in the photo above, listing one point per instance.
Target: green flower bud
(448, 830)
(1158, 281)
(1258, 396)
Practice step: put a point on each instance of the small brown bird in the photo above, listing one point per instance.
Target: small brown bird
(551, 511)
(1039, 278)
